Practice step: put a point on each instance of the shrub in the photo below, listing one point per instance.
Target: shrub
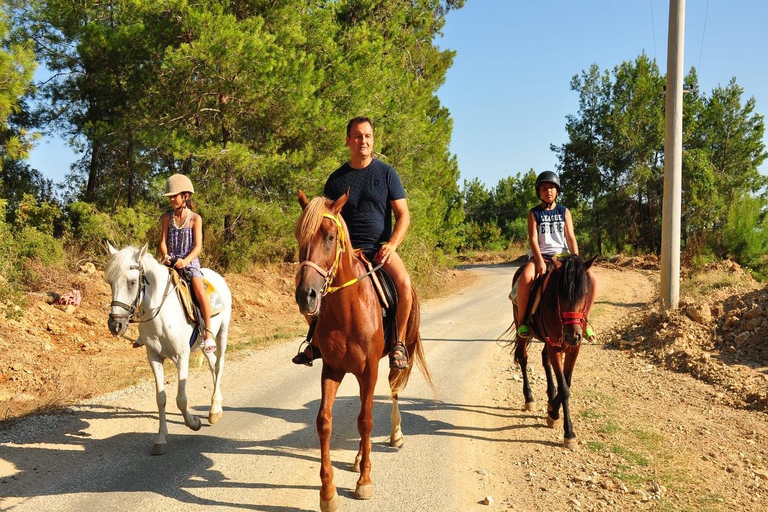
(745, 237)
(36, 245)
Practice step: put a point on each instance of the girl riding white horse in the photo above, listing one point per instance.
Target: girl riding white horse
(143, 292)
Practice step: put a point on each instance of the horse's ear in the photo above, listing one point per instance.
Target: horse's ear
(589, 262)
(303, 201)
(340, 202)
(111, 250)
(142, 252)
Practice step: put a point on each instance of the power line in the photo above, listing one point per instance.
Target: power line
(704, 31)
(653, 29)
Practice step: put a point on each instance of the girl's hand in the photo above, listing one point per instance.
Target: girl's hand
(180, 263)
(541, 266)
(165, 260)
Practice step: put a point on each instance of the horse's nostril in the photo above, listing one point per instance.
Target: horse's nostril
(312, 294)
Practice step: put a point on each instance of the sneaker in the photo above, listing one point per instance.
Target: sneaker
(523, 331)
(590, 334)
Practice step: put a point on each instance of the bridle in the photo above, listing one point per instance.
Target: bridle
(330, 274)
(568, 318)
(133, 312)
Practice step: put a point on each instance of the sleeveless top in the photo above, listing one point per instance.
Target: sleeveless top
(367, 212)
(550, 227)
(181, 241)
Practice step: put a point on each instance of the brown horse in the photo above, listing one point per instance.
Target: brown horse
(349, 333)
(560, 322)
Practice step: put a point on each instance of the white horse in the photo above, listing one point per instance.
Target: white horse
(143, 292)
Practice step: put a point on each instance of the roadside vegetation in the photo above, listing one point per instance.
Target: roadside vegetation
(250, 99)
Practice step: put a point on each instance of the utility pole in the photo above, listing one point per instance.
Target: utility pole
(673, 161)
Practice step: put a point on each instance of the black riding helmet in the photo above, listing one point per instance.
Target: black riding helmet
(547, 177)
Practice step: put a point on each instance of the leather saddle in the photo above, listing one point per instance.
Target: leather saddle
(189, 301)
(386, 292)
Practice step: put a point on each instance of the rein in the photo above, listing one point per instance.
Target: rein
(133, 312)
(330, 274)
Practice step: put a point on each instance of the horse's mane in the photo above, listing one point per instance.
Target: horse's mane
(310, 220)
(121, 260)
(574, 283)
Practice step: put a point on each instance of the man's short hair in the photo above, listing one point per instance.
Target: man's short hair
(358, 120)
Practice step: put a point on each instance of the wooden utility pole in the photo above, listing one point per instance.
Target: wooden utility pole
(673, 159)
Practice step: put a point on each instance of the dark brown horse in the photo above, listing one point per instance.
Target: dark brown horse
(560, 321)
(349, 333)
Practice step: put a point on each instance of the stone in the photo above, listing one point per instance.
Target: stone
(488, 500)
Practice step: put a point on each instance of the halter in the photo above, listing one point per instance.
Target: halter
(133, 312)
(568, 318)
(330, 274)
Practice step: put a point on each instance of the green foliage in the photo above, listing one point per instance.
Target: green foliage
(32, 244)
(89, 227)
(250, 99)
(45, 217)
(745, 234)
(17, 65)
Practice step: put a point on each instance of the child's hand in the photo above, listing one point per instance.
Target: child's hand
(180, 263)
(541, 267)
(166, 260)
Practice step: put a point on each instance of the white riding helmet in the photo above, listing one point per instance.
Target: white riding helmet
(177, 184)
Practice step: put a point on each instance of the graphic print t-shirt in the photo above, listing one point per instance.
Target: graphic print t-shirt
(367, 212)
(550, 226)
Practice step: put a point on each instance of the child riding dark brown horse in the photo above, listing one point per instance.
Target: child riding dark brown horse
(349, 332)
(560, 321)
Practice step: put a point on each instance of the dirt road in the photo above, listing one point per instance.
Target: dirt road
(648, 438)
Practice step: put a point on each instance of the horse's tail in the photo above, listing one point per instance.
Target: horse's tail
(415, 348)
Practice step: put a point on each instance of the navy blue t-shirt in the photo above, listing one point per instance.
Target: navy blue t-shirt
(367, 212)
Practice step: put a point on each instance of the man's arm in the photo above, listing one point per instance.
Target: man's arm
(402, 222)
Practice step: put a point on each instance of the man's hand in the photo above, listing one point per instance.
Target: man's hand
(385, 252)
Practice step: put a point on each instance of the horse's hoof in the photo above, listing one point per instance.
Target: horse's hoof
(331, 505)
(396, 442)
(196, 424)
(364, 492)
(213, 417)
(159, 448)
(550, 422)
(529, 406)
(570, 443)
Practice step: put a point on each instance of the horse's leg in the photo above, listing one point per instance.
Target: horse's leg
(329, 499)
(156, 363)
(551, 389)
(364, 488)
(521, 356)
(217, 370)
(569, 439)
(182, 365)
(395, 430)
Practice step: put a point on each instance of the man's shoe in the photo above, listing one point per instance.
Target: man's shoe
(398, 357)
(523, 331)
(306, 356)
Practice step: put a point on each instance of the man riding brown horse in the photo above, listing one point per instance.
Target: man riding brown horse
(375, 193)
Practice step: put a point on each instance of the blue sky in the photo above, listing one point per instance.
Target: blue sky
(508, 90)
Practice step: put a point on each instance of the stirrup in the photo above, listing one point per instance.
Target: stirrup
(303, 358)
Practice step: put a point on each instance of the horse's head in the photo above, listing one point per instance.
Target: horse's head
(125, 275)
(322, 238)
(573, 289)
